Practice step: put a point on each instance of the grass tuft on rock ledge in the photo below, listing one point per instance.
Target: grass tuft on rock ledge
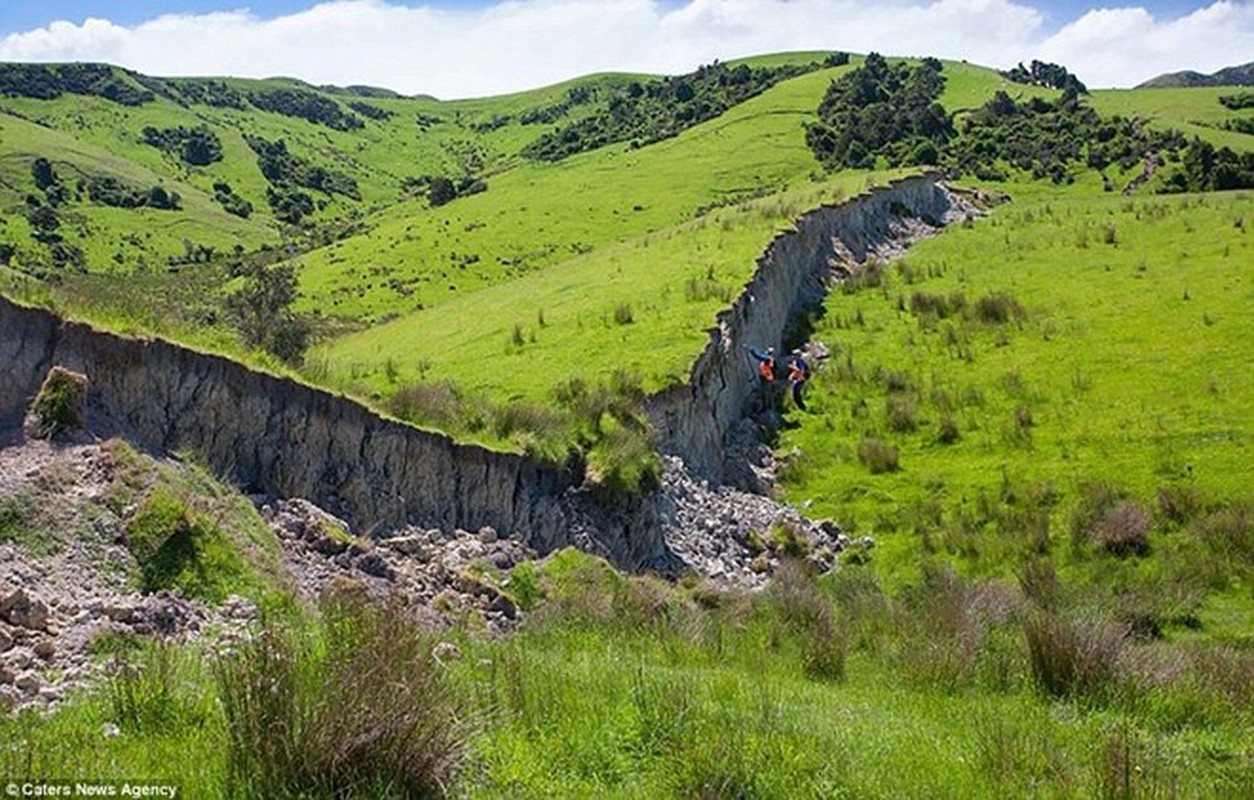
(60, 404)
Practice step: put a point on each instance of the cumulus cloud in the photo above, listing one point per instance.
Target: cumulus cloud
(1122, 46)
(518, 44)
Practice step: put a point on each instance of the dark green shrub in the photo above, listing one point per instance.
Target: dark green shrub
(998, 309)
(1124, 530)
(900, 410)
(436, 404)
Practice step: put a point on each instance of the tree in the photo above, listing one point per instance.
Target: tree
(442, 190)
(261, 311)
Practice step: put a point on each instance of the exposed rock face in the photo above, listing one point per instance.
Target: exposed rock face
(695, 421)
(283, 438)
(278, 437)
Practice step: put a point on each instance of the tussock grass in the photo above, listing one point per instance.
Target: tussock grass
(363, 709)
(629, 686)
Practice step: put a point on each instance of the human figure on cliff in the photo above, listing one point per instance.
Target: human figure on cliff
(798, 374)
(766, 374)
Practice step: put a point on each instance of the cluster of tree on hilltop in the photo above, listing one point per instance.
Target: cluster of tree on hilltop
(309, 106)
(644, 113)
(50, 81)
(1043, 73)
(576, 96)
(204, 92)
(882, 110)
(890, 114)
(198, 146)
(1045, 138)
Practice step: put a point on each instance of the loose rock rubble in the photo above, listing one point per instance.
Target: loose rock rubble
(735, 537)
(449, 573)
(67, 591)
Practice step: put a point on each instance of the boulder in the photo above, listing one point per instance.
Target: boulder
(24, 611)
(28, 681)
(374, 564)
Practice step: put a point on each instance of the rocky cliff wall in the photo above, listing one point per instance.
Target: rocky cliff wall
(694, 420)
(281, 437)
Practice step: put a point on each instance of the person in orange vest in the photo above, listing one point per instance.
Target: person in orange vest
(766, 376)
(766, 364)
(798, 374)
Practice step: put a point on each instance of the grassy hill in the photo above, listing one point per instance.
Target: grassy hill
(1241, 75)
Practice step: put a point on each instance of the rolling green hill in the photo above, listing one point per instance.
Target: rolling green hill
(608, 258)
(1241, 75)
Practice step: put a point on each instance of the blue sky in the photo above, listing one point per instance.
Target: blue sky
(461, 48)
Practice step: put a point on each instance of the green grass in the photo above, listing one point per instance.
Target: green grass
(628, 687)
(1127, 368)
(1196, 111)
(567, 311)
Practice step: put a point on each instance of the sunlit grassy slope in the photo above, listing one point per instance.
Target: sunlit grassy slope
(1131, 366)
(1196, 111)
(617, 227)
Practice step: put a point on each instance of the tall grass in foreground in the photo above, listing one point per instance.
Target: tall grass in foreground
(623, 687)
(362, 710)
(627, 686)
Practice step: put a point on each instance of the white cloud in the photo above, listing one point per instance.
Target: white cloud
(518, 44)
(1122, 46)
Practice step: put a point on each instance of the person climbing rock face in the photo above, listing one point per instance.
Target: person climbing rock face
(798, 374)
(766, 364)
(768, 394)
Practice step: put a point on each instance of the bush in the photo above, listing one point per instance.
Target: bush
(1228, 533)
(900, 410)
(998, 309)
(796, 606)
(1124, 531)
(436, 404)
(623, 460)
(878, 456)
(149, 691)
(364, 708)
(61, 401)
(1076, 659)
(1179, 504)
